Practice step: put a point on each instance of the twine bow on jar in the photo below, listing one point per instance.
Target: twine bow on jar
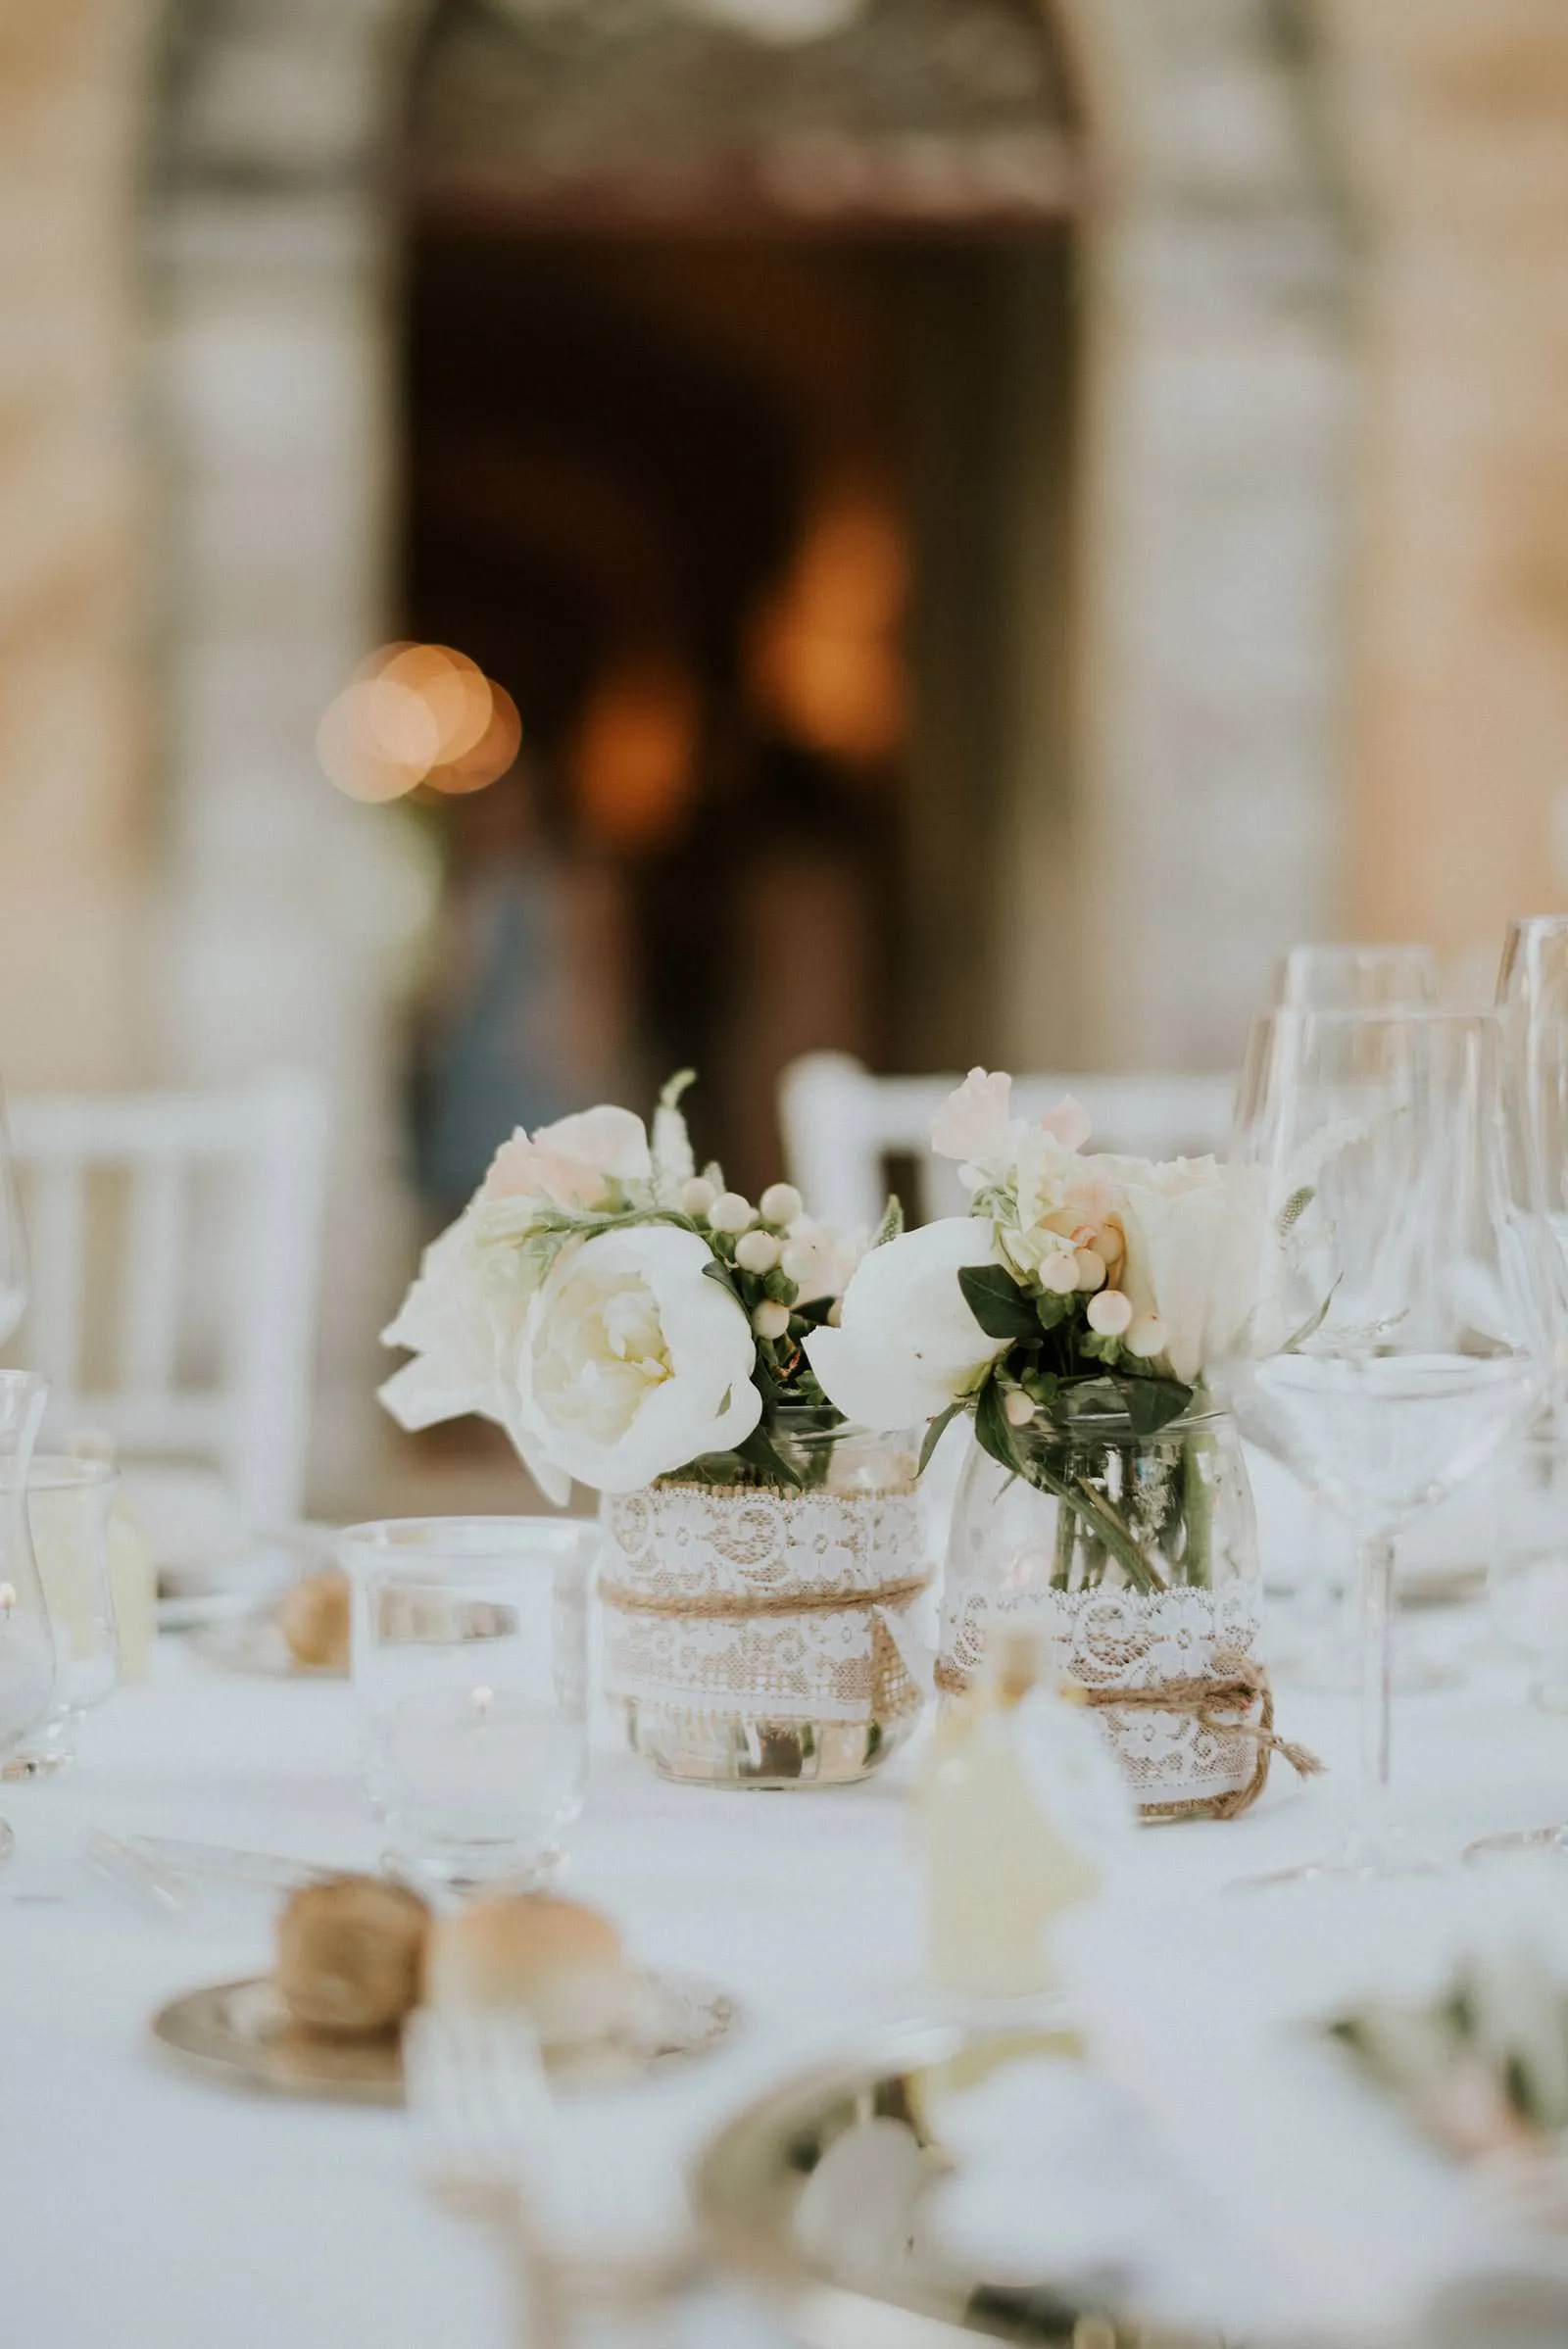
(1231, 1686)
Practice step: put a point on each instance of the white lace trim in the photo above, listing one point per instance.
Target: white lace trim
(1118, 1639)
(710, 1546)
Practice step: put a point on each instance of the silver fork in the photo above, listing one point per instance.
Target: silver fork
(477, 2088)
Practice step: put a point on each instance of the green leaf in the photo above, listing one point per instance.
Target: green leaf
(759, 1452)
(992, 1430)
(993, 1433)
(935, 1433)
(714, 1270)
(1001, 1308)
(1152, 1404)
(891, 1225)
(1050, 1310)
(1313, 1322)
(1092, 1398)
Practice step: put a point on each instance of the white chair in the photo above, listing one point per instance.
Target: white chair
(842, 1125)
(174, 1247)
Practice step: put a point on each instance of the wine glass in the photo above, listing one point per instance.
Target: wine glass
(1533, 999)
(13, 1240)
(1326, 1654)
(1398, 1332)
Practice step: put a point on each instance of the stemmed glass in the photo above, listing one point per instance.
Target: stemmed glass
(1399, 1332)
(12, 1242)
(1345, 978)
(1533, 999)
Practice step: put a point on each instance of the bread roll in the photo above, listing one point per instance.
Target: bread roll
(351, 1955)
(555, 1959)
(315, 1619)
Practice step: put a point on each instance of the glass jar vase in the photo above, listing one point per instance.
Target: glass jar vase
(762, 1632)
(1138, 1554)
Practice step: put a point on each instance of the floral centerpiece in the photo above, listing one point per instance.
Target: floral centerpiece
(635, 1325)
(1071, 1314)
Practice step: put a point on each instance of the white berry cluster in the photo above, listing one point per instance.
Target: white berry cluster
(768, 1246)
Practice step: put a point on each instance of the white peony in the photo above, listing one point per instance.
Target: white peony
(461, 1319)
(1194, 1231)
(907, 1345)
(632, 1362)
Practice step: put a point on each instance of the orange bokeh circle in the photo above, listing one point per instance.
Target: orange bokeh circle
(489, 758)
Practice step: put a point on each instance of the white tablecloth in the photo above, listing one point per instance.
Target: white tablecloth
(140, 2209)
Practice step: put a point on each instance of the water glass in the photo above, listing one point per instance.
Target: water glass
(470, 1667)
(1529, 1566)
(69, 1501)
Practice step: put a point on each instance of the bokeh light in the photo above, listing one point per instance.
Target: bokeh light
(417, 713)
(825, 652)
(488, 756)
(634, 761)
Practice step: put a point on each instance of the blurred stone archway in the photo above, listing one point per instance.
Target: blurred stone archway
(1199, 823)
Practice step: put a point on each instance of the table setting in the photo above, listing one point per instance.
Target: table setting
(1111, 1960)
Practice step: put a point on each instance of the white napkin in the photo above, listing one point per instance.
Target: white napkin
(1209, 2022)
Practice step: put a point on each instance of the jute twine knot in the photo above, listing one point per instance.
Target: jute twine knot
(1231, 1688)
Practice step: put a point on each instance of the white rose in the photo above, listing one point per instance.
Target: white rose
(907, 1345)
(461, 1319)
(1194, 1231)
(632, 1362)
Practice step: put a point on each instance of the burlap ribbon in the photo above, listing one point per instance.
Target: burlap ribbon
(761, 1603)
(899, 1668)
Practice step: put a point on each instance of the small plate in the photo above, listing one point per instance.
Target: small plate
(255, 1644)
(238, 2035)
(843, 2279)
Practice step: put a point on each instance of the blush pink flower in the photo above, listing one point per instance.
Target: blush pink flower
(571, 1163)
(1068, 1122)
(974, 1124)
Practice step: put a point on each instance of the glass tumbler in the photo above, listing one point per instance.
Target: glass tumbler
(469, 1669)
(69, 1501)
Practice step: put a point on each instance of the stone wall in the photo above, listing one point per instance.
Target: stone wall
(1455, 114)
(73, 634)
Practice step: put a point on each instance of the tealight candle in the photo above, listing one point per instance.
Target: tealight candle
(480, 1766)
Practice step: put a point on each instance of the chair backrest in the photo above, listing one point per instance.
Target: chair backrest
(163, 1226)
(842, 1125)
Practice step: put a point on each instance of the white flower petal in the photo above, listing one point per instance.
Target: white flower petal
(975, 1121)
(613, 1142)
(912, 1339)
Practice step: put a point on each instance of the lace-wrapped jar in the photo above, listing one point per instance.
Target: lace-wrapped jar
(763, 1636)
(1139, 1554)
